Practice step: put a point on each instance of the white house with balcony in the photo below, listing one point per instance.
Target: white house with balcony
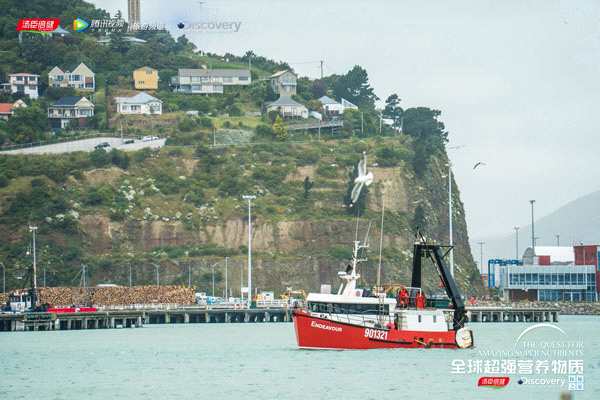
(70, 110)
(24, 84)
(141, 103)
(208, 81)
(80, 78)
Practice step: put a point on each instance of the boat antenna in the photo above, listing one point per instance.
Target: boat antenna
(380, 242)
(357, 220)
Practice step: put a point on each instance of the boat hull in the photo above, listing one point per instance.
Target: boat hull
(321, 333)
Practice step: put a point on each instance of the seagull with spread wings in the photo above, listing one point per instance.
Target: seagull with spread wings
(363, 179)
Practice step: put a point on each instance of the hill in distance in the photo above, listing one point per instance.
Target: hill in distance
(576, 222)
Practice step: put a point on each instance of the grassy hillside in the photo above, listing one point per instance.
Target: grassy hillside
(179, 210)
(182, 207)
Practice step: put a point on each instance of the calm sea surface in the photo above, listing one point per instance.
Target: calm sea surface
(260, 361)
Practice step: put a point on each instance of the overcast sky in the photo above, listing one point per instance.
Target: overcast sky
(517, 81)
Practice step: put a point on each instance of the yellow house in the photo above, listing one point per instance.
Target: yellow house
(145, 78)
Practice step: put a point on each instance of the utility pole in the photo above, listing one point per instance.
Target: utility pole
(532, 202)
(321, 69)
(249, 198)
(33, 230)
(516, 228)
(3, 277)
(130, 275)
(481, 254)
(156, 266)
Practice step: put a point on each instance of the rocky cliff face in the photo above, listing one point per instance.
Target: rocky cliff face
(301, 251)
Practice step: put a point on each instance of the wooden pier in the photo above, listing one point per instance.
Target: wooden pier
(512, 314)
(107, 319)
(136, 318)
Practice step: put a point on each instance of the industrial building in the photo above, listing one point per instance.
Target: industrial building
(548, 273)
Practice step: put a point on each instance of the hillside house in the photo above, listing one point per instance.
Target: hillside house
(332, 107)
(68, 110)
(145, 78)
(208, 81)
(288, 108)
(8, 109)
(284, 83)
(23, 84)
(80, 78)
(141, 103)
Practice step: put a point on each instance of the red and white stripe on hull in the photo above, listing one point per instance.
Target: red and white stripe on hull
(321, 333)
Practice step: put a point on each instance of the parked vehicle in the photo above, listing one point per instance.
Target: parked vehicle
(102, 145)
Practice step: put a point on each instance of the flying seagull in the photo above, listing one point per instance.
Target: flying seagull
(480, 163)
(362, 179)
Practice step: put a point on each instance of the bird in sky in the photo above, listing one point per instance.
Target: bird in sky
(478, 164)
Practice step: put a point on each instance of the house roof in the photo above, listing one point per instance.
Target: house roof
(140, 98)
(22, 74)
(61, 31)
(285, 101)
(556, 253)
(6, 108)
(130, 39)
(279, 73)
(145, 68)
(68, 101)
(347, 104)
(82, 69)
(225, 73)
(327, 100)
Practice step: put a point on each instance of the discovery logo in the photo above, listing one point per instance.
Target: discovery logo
(211, 22)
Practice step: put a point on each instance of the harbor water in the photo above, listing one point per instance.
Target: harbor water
(231, 361)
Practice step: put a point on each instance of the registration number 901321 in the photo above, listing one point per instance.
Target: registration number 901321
(376, 334)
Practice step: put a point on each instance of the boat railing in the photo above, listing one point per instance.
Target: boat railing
(370, 320)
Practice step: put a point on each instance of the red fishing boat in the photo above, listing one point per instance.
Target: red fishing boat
(356, 319)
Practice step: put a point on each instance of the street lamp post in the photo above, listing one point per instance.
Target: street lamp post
(156, 266)
(450, 233)
(249, 198)
(226, 294)
(481, 255)
(557, 239)
(213, 279)
(33, 230)
(532, 202)
(516, 242)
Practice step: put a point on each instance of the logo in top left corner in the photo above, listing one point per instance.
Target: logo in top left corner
(80, 24)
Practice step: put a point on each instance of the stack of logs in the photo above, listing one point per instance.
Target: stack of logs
(116, 295)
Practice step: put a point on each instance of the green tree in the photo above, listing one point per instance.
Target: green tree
(393, 110)
(27, 125)
(279, 129)
(419, 221)
(307, 186)
(355, 87)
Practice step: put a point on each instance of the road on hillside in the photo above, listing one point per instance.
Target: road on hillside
(88, 145)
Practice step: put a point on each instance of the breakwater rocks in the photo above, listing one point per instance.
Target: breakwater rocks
(566, 308)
